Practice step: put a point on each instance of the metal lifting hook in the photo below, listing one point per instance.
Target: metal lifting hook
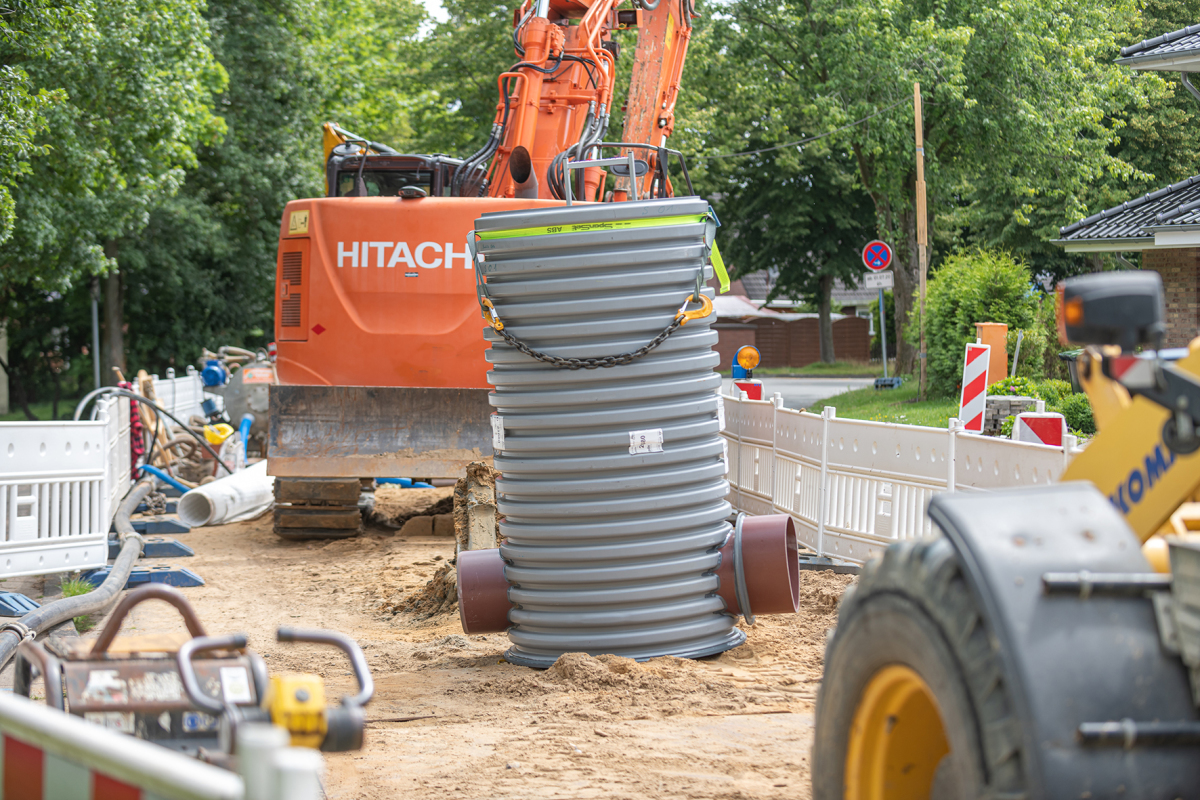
(490, 316)
(703, 311)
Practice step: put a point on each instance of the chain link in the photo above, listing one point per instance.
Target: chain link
(593, 363)
(156, 503)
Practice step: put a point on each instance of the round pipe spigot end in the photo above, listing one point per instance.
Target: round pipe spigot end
(483, 603)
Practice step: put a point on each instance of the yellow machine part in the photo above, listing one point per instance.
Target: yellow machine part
(897, 739)
(297, 703)
(1128, 461)
(216, 434)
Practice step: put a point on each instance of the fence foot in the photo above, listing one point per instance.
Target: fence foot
(157, 547)
(825, 563)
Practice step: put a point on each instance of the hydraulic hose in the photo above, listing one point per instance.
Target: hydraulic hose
(142, 399)
(97, 601)
(165, 478)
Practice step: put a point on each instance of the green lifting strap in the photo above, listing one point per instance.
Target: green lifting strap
(718, 263)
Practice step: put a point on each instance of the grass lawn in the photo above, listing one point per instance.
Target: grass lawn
(838, 369)
(41, 410)
(891, 405)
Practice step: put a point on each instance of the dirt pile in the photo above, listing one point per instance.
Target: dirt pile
(728, 727)
(606, 686)
(437, 597)
(395, 505)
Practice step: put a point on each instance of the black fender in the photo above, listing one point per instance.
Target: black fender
(1067, 659)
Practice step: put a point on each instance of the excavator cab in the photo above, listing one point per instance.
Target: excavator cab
(351, 173)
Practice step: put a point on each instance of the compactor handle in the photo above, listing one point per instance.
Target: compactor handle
(51, 671)
(358, 661)
(155, 591)
(187, 672)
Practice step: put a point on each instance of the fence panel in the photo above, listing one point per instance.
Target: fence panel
(181, 396)
(60, 483)
(855, 486)
(54, 498)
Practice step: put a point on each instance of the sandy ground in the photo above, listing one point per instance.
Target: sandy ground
(734, 726)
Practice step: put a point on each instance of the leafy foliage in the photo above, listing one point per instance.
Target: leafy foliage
(1075, 408)
(1017, 99)
(1078, 413)
(1040, 347)
(139, 82)
(977, 286)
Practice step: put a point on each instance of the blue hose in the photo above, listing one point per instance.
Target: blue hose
(244, 430)
(162, 476)
(405, 483)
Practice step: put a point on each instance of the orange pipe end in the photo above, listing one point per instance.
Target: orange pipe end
(770, 566)
(483, 603)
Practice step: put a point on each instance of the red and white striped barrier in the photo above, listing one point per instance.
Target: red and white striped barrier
(973, 403)
(46, 754)
(1040, 427)
(752, 388)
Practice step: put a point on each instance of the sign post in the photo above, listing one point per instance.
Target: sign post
(877, 256)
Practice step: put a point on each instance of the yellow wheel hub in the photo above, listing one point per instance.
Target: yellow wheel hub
(897, 739)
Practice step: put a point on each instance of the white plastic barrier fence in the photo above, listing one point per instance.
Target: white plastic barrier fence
(854, 486)
(47, 754)
(61, 483)
(59, 486)
(181, 396)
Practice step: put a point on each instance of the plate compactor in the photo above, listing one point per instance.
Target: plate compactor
(1032, 650)
(192, 693)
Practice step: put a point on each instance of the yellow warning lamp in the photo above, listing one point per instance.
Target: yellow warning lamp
(748, 357)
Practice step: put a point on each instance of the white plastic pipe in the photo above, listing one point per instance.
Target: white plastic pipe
(242, 495)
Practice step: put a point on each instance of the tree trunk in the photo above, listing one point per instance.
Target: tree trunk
(826, 319)
(114, 324)
(57, 394)
(18, 390)
(907, 271)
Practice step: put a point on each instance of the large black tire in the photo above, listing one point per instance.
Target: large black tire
(913, 608)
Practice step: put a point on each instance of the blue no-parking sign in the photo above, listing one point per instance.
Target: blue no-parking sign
(877, 256)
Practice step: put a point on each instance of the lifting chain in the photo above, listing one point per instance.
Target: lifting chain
(592, 363)
(681, 317)
(156, 503)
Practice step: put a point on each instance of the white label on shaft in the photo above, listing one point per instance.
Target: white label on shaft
(720, 413)
(235, 685)
(725, 453)
(650, 441)
(497, 432)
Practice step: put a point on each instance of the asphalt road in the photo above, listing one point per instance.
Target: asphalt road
(803, 392)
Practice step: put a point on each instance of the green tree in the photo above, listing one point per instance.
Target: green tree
(202, 271)
(799, 217)
(1161, 135)
(1015, 126)
(27, 31)
(139, 82)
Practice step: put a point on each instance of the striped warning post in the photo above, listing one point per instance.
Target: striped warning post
(48, 755)
(973, 403)
(1040, 427)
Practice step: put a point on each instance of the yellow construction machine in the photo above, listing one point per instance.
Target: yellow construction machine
(1033, 650)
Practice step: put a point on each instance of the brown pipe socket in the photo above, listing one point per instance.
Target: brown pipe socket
(770, 566)
(483, 603)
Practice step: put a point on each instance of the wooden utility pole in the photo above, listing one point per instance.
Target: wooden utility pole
(922, 227)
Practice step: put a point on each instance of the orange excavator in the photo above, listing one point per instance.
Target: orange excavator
(380, 359)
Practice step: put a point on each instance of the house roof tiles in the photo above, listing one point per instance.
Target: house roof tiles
(1174, 205)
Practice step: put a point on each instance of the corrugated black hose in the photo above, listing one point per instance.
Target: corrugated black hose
(97, 601)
